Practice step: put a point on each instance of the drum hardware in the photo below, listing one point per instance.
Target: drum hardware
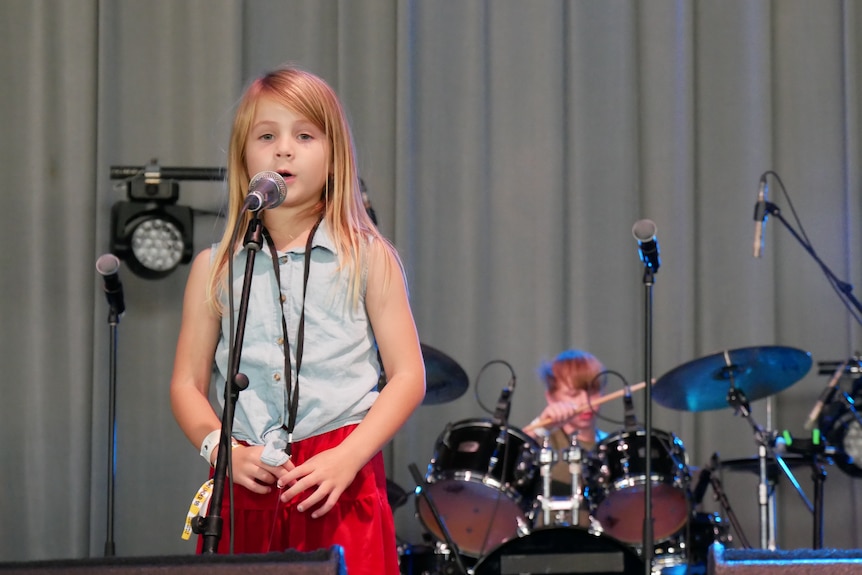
(734, 377)
(423, 494)
(425, 559)
(709, 474)
(766, 450)
(687, 551)
(852, 367)
(561, 510)
(840, 424)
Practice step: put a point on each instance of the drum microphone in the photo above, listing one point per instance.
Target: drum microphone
(760, 215)
(504, 405)
(644, 232)
(265, 191)
(825, 397)
(631, 421)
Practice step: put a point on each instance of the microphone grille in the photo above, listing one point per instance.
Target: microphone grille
(108, 264)
(273, 177)
(644, 230)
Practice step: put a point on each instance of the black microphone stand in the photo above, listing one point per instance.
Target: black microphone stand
(648, 281)
(422, 492)
(211, 526)
(843, 287)
(113, 321)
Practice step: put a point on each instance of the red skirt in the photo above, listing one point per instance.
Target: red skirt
(361, 521)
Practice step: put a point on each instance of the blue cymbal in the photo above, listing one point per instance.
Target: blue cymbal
(702, 384)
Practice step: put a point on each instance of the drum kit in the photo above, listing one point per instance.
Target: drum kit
(486, 506)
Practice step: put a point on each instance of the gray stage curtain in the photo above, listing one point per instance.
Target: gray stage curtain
(508, 147)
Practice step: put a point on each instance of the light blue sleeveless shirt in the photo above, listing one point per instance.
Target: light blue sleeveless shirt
(340, 369)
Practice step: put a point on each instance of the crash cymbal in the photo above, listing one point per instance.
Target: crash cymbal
(445, 380)
(702, 384)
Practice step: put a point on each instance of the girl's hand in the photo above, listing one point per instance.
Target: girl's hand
(332, 471)
(250, 472)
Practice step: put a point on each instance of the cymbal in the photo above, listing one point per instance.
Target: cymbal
(395, 494)
(445, 380)
(752, 464)
(702, 384)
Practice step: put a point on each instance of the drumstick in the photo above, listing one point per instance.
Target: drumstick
(535, 424)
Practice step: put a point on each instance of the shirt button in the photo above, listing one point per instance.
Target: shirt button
(283, 298)
(280, 341)
(277, 377)
(282, 260)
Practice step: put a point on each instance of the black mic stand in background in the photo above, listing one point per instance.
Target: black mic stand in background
(644, 232)
(648, 281)
(844, 288)
(211, 525)
(116, 308)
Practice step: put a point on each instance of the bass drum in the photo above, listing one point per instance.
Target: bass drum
(562, 550)
(429, 560)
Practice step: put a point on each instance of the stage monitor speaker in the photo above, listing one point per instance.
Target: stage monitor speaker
(724, 561)
(321, 562)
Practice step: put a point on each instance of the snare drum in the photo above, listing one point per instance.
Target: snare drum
(483, 480)
(616, 478)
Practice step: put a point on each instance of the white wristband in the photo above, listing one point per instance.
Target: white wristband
(209, 444)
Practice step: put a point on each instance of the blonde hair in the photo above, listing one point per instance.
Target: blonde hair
(573, 369)
(341, 199)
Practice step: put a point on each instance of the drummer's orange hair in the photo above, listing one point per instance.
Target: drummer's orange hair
(573, 368)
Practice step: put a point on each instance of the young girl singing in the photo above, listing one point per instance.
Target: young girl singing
(328, 295)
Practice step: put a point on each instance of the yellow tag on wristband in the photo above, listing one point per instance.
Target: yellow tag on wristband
(199, 506)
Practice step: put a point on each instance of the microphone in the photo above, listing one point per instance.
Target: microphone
(760, 215)
(644, 233)
(265, 191)
(825, 397)
(108, 265)
(504, 405)
(630, 419)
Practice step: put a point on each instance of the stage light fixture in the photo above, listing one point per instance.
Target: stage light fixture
(150, 232)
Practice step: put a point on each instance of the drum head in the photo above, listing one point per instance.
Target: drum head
(561, 550)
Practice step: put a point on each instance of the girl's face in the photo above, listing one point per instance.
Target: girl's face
(280, 140)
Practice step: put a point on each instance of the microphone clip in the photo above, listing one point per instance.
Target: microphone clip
(504, 405)
(630, 420)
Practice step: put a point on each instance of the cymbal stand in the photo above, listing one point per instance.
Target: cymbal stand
(423, 493)
(723, 501)
(573, 455)
(765, 441)
(547, 458)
